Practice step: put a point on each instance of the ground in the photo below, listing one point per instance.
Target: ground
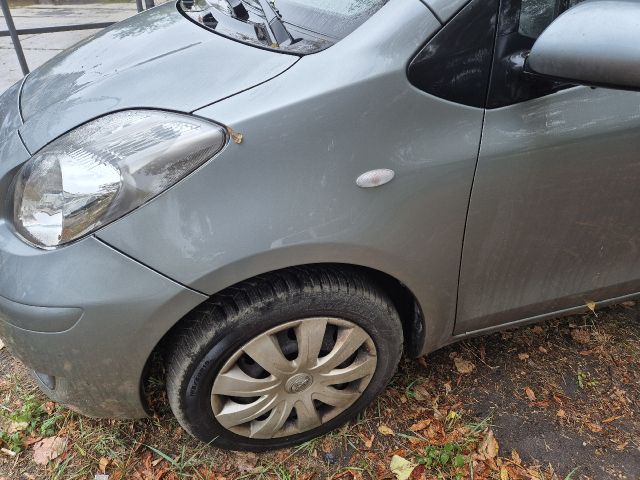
(559, 400)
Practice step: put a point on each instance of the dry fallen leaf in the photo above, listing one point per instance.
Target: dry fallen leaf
(15, 427)
(463, 366)
(621, 446)
(612, 419)
(530, 395)
(49, 407)
(421, 425)
(235, 136)
(30, 441)
(368, 442)
(594, 427)
(581, 335)
(8, 452)
(401, 467)
(489, 447)
(441, 417)
(415, 440)
(523, 356)
(118, 475)
(592, 306)
(104, 463)
(421, 393)
(48, 449)
(246, 461)
(384, 430)
(419, 473)
(561, 413)
(504, 474)
(515, 457)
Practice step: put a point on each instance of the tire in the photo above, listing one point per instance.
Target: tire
(211, 344)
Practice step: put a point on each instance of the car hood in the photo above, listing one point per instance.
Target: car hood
(157, 59)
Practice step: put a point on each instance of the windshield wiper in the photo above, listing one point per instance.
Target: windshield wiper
(281, 35)
(239, 10)
(273, 22)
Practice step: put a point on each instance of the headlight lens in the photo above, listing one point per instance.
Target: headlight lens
(106, 168)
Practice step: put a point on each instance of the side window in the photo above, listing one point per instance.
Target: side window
(456, 63)
(520, 23)
(536, 15)
(475, 46)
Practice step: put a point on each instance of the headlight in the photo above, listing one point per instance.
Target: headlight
(106, 168)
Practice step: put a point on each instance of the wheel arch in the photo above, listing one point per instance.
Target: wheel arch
(409, 309)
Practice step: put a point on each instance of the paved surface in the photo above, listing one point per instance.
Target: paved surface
(40, 48)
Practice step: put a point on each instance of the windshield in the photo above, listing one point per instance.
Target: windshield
(311, 25)
(355, 7)
(336, 18)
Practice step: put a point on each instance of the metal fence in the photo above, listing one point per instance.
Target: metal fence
(15, 33)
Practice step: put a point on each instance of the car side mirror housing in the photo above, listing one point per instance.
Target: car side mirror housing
(595, 43)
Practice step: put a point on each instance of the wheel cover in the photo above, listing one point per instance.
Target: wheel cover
(293, 378)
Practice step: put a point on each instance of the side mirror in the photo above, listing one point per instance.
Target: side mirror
(595, 43)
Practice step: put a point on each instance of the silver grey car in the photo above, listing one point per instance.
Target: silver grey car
(281, 198)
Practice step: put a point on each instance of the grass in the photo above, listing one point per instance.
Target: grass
(585, 381)
(442, 457)
(30, 418)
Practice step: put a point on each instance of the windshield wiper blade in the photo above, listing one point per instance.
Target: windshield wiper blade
(281, 35)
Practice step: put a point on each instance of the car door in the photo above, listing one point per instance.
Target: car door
(554, 218)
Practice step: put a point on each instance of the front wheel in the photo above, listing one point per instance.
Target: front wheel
(283, 358)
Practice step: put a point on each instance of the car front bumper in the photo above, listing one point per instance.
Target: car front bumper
(86, 318)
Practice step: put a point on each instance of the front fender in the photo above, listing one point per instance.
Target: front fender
(287, 194)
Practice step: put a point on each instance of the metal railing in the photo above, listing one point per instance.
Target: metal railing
(15, 33)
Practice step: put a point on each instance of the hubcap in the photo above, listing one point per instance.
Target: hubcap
(293, 378)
